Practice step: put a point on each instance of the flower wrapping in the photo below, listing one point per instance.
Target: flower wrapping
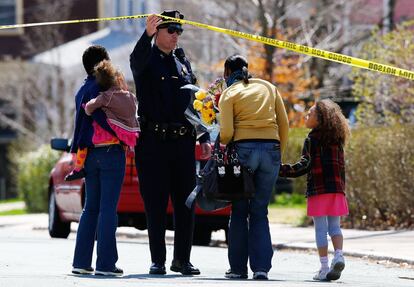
(192, 115)
(202, 109)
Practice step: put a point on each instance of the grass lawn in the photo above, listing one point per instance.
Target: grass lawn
(287, 215)
(13, 212)
(11, 200)
(288, 209)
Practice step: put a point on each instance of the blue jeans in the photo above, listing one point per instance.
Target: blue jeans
(105, 170)
(249, 236)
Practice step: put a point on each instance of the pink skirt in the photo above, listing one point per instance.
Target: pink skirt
(328, 204)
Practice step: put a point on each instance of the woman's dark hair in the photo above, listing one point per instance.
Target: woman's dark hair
(92, 56)
(235, 63)
(105, 74)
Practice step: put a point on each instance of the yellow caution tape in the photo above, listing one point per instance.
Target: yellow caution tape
(72, 21)
(302, 49)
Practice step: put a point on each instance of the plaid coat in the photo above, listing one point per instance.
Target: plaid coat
(324, 166)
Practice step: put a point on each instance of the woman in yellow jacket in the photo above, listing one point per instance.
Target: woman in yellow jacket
(252, 114)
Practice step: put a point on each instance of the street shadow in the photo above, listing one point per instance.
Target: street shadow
(148, 276)
(239, 280)
(97, 277)
(322, 282)
(81, 275)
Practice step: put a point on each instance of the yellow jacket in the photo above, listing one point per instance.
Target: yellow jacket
(253, 111)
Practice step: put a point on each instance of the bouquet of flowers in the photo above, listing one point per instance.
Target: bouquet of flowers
(202, 108)
(206, 102)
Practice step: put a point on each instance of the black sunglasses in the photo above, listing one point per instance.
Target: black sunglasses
(173, 29)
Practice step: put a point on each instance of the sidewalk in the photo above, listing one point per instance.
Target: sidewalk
(11, 206)
(392, 245)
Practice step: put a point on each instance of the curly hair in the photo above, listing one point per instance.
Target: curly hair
(331, 123)
(106, 74)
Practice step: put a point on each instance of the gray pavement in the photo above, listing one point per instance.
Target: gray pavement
(392, 245)
(29, 257)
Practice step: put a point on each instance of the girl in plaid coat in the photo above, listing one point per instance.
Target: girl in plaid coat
(323, 162)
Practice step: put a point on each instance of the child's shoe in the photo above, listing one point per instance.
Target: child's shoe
(337, 265)
(75, 175)
(321, 275)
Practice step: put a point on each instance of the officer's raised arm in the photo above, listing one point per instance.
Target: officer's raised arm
(140, 56)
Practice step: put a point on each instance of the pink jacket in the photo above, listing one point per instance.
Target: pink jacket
(120, 108)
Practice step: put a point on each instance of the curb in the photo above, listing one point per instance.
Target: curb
(348, 253)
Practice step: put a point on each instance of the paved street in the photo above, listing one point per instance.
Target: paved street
(30, 258)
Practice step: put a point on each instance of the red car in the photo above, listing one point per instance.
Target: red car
(66, 200)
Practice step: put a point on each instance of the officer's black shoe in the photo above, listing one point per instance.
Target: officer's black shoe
(185, 268)
(157, 269)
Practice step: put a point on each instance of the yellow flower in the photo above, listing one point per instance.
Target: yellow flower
(208, 116)
(208, 105)
(197, 105)
(201, 95)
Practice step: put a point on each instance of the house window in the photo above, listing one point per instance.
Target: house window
(11, 12)
(8, 12)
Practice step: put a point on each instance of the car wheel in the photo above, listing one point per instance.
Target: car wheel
(57, 228)
(202, 236)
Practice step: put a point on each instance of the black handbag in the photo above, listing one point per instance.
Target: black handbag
(224, 177)
(222, 180)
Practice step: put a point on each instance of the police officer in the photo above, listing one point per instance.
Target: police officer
(165, 150)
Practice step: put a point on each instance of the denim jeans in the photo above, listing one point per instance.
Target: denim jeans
(105, 170)
(249, 236)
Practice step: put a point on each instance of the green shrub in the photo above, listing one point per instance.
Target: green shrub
(290, 200)
(380, 173)
(33, 170)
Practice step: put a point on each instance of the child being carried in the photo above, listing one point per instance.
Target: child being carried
(120, 107)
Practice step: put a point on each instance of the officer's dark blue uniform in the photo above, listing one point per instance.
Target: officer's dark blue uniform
(165, 150)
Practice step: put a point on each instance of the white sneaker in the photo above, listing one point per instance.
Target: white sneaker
(82, 271)
(321, 275)
(260, 275)
(337, 265)
(232, 275)
(116, 272)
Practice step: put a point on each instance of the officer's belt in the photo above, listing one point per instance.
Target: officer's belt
(168, 130)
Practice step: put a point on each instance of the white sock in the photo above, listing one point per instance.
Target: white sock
(338, 252)
(324, 262)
